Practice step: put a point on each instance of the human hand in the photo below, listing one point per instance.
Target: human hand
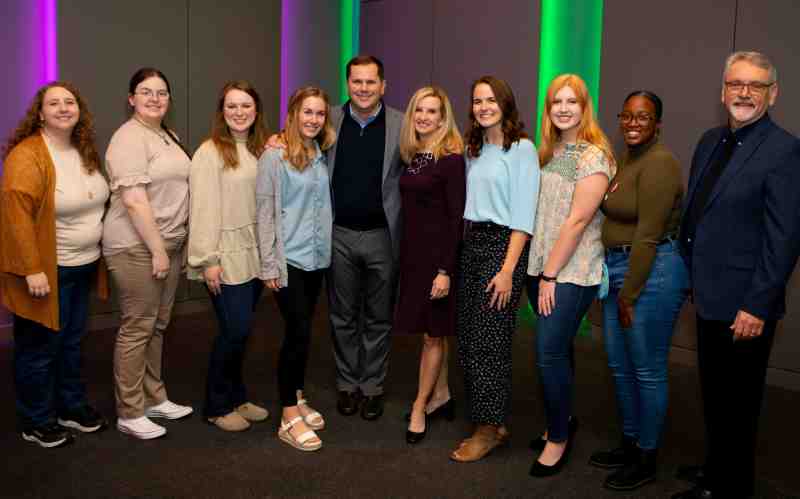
(440, 287)
(37, 284)
(213, 278)
(160, 265)
(273, 284)
(625, 311)
(500, 285)
(746, 326)
(275, 141)
(547, 297)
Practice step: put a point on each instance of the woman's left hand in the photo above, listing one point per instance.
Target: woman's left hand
(440, 287)
(547, 297)
(273, 284)
(625, 311)
(501, 287)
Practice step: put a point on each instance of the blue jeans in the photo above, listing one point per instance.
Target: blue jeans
(638, 356)
(47, 363)
(554, 336)
(234, 307)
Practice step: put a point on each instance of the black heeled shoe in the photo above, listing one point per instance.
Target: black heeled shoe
(539, 442)
(447, 410)
(540, 470)
(414, 437)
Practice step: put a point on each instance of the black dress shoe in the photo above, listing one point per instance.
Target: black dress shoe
(372, 408)
(540, 470)
(348, 403)
(539, 442)
(695, 493)
(691, 473)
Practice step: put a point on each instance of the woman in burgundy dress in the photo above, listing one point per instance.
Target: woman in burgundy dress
(433, 189)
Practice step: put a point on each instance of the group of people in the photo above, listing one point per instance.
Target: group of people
(416, 229)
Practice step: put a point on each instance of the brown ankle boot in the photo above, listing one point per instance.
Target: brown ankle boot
(478, 445)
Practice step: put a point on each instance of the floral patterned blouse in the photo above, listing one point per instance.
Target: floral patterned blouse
(570, 163)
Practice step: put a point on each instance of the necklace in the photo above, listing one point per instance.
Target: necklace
(419, 161)
(161, 133)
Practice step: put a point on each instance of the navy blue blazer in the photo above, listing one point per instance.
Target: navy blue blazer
(748, 238)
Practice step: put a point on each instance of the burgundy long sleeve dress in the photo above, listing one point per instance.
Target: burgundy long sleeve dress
(433, 195)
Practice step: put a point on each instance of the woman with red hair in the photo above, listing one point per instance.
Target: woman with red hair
(565, 264)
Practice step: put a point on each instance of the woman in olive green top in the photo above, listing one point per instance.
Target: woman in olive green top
(648, 283)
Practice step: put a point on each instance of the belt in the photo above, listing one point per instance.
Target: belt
(626, 248)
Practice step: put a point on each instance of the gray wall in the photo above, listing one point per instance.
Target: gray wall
(452, 43)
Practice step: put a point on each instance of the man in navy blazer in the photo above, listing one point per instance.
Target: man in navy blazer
(740, 237)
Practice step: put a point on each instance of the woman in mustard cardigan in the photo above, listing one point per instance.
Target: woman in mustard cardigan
(51, 208)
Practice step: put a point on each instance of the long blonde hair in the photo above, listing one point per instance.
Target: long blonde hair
(446, 140)
(296, 152)
(588, 129)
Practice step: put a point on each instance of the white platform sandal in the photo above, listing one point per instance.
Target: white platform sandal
(301, 442)
(313, 419)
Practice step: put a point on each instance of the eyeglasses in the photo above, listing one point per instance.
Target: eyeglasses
(756, 87)
(643, 119)
(147, 94)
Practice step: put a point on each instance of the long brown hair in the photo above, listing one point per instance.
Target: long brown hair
(447, 139)
(221, 134)
(588, 129)
(82, 137)
(296, 151)
(511, 126)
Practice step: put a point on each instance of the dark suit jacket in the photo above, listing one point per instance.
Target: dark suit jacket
(392, 168)
(748, 238)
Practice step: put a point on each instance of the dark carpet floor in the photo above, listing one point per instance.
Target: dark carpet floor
(359, 458)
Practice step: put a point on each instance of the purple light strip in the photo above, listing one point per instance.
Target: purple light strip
(47, 9)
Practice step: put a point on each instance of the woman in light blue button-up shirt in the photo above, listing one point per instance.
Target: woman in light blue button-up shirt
(502, 190)
(293, 206)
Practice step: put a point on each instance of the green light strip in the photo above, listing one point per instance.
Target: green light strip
(348, 39)
(571, 36)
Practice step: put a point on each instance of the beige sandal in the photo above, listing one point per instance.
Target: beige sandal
(301, 442)
(313, 419)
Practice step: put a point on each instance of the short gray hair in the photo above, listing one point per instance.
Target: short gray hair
(755, 58)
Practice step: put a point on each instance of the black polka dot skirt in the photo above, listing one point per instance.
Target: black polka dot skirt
(484, 334)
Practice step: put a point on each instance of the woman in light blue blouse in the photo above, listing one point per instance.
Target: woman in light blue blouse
(293, 206)
(502, 190)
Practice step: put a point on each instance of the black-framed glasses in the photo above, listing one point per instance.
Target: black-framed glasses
(643, 119)
(757, 87)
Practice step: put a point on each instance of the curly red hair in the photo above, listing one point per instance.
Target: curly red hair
(83, 135)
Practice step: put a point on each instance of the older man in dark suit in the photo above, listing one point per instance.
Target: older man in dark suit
(741, 237)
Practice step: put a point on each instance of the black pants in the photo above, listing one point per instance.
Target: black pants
(296, 303)
(732, 375)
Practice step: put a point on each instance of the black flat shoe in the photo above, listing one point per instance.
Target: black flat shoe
(540, 470)
(539, 442)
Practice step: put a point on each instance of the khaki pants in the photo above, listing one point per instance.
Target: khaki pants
(145, 306)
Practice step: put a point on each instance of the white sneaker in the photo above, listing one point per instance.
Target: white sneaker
(168, 410)
(141, 428)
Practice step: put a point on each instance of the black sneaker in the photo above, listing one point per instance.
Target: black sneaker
(49, 435)
(84, 419)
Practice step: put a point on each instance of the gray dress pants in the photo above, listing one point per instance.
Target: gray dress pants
(361, 289)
